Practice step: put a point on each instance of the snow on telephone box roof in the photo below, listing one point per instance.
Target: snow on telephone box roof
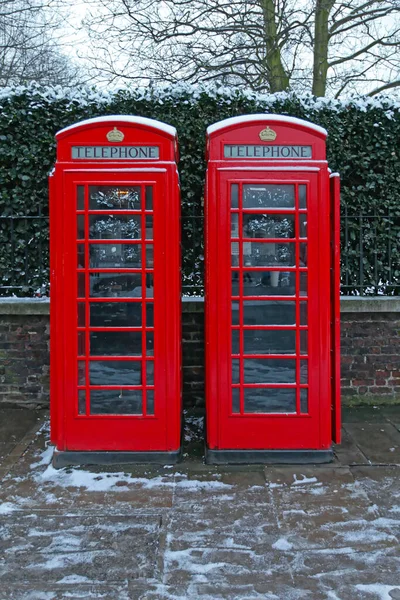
(265, 117)
(123, 118)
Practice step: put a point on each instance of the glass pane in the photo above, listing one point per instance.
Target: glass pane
(234, 225)
(80, 234)
(304, 371)
(80, 263)
(235, 371)
(235, 341)
(114, 256)
(266, 283)
(149, 227)
(105, 197)
(303, 254)
(114, 227)
(80, 197)
(149, 372)
(149, 314)
(117, 402)
(116, 314)
(116, 285)
(81, 402)
(303, 225)
(302, 196)
(261, 370)
(234, 195)
(235, 313)
(81, 343)
(304, 400)
(81, 285)
(257, 341)
(116, 343)
(235, 254)
(149, 256)
(303, 313)
(150, 344)
(271, 312)
(270, 254)
(303, 283)
(268, 226)
(268, 400)
(150, 402)
(81, 314)
(304, 341)
(110, 372)
(235, 400)
(81, 372)
(268, 196)
(149, 197)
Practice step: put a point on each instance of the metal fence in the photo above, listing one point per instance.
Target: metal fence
(370, 255)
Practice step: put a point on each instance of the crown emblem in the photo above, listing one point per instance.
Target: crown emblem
(115, 135)
(267, 135)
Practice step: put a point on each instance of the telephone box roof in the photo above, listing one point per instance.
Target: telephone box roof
(267, 118)
(123, 118)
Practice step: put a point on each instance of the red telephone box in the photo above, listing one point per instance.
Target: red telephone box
(272, 292)
(115, 293)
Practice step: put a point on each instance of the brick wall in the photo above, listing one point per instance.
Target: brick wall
(370, 352)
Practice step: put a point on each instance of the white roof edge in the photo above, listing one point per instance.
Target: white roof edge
(124, 118)
(334, 175)
(264, 117)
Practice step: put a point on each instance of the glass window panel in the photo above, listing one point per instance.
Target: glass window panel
(303, 250)
(268, 226)
(115, 372)
(235, 313)
(304, 400)
(81, 343)
(116, 402)
(116, 314)
(267, 283)
(303, 225)
(303, 283)
(235, 400)
(234, 225)
(81, 314)
(303, 313)
(80, 197)
(150, 402)
(149, 256)
(235, 341)
(234, 195)
(149, 372)
(235, 371)
(115, 256)
(150, 343)
(271, 312)
(268, 400)
(81, 402)
(268, 196)
(115, 343)
(116, 285)
(81, 285)
(304, 371)
(106, 197)
(80, 263)
(114, 227)
(257, 341)
(81, 372)
(235, 283)
(264, 370)
(304, 341)
(148, 190)
(80, 234)
(149, 227)
(235, 254)
(302, 196)
(149, 314)
(271, 254)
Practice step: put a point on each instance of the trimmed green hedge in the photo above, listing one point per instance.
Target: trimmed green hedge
(363, 145)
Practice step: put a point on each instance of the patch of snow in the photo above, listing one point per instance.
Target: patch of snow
(45, 458)
(282, 544)
(304, 480)
(122, 119)
(7, 508)
(74, 579)
(382, 591)
(267, 118)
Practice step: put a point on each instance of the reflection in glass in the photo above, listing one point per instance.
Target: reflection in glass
(106, 197)
(81, 256)
(271, 312)
(303, 313)
(117, 402)
(303, 225)
(80, 197)
(258, 341)
(302, 196)
(304, 400)
(234, 225)
(81, 372)
(81, 314)
(115, 343)
(150, 343)
(234, 195)
(149, 227)
(268, 196)
(235, 400)
(81, 402)
(114, 256)
(268, 400)
(114, 227)
(150, 402)
(304, 341)
(80, 234)
(149, 256)
(123, 285)
(149, 372)
(303, 249)
(303, 283)
(268, 226)
(116, 314)
(235, 341)
(235, 371)
(235, 313)
(81, 343)
(149, 197)
(113, 372)
(235, 254)
(304, 371)
(271, 254)
(264, 370)
(264, 283)
(81, 285)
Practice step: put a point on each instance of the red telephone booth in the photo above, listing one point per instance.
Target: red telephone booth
(272, 292)
(115, 293)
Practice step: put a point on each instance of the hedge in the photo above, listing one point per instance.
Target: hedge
(363, 145)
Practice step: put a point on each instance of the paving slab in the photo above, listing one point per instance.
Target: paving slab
(380, 443)
(16, 422)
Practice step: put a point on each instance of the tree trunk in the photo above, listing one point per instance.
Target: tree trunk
(321, 43)
(277, 77)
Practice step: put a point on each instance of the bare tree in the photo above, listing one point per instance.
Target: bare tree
(318, 45)
(29, 48)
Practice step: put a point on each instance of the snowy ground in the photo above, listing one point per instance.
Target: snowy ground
(194, 531)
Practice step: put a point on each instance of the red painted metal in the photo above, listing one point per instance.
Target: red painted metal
(80, 427)
(242, 428)
(335, 303)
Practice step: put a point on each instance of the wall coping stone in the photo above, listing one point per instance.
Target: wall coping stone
(348, 304)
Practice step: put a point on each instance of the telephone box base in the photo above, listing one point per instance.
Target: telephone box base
(69, 459)
(288, 457)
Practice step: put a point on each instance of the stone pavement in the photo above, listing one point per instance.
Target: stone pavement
(200, 532)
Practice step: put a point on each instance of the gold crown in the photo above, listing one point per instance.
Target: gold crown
(115, 135)
(267, 135)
